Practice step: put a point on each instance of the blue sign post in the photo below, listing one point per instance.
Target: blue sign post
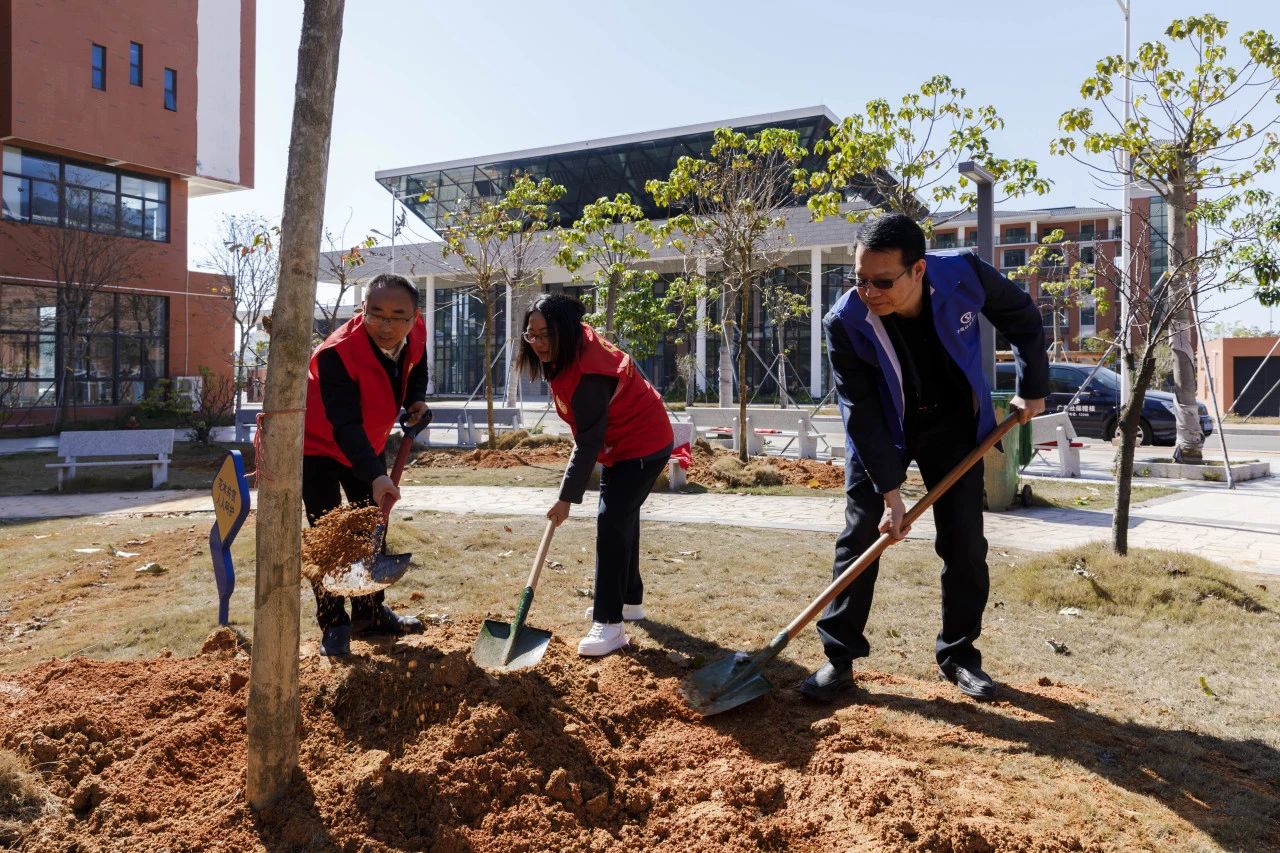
(231, 507)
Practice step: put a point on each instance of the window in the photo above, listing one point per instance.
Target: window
(1014, 258)
(1063, 380)
(1086, 232)
(1089, 312)
(135, 64)
(99, 67)
(46, 190)
(1086, 254)
(1015, 235)
(170, 89)
(944, 241)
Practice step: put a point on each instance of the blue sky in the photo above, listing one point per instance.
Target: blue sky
(421, 82)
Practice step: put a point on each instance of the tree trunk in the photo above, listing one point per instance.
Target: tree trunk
(489, 321)
(272, 713)
(60, 366)
(1190, 439)
(611, 306)
(1129, 419)
(744, 316)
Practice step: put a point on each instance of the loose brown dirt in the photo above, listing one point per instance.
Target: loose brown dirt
(414, 748)
(339, 538)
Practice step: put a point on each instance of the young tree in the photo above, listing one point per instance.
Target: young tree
(273, 713)
(493, 239)
(245, 259)
(604, 240)
(728, 209)
(903, 159)
(83, 265)
(340, 265)
(1199, 126)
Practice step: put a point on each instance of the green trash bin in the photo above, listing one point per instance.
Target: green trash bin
(1002, 466)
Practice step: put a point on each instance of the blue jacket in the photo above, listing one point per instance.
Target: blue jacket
(868, 377)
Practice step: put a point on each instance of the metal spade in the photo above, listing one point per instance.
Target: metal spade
(510, 646)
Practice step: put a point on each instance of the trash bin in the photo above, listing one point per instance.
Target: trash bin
(1002, 466)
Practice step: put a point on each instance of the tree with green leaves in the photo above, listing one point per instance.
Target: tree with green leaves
(1200, 127)
(728, 210)
(606, 241)
(903, 158)
(492, 239)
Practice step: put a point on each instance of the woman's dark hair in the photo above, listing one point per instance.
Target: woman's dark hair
(894, 231)
(389, 280)
(563, 315)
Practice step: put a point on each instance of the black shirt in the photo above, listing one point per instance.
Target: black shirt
(933, 384)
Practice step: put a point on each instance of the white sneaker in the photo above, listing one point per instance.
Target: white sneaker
(630, 612)
(602, 639)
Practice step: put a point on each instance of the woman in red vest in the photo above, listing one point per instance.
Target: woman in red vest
(618, 419)
(358, 380)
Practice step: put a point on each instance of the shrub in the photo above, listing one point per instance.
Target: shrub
(762, 474)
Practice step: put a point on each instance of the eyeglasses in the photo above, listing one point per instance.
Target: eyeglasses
(877, 283)
(385, 320)
(533, 339)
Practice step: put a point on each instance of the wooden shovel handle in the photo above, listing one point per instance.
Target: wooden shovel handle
(881, 545)
(410, 432)
(543, 547)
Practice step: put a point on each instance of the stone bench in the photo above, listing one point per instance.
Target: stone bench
(684, 435)
(445, 418)
(763, 425)
(505, 418)
(246, 419)
(1054, 431)
(75, 447)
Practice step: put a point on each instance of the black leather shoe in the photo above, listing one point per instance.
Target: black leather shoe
(385, 622)
(336, 641)
(828, 683)
(971, 680)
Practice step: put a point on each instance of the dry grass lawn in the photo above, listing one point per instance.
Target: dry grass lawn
(1168, 670)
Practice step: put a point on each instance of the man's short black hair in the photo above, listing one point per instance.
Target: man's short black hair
(894, 231)
(563, 315)
(390, 280)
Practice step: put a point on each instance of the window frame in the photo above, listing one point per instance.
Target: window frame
(171, 89)
(98, 66)
(135, 64)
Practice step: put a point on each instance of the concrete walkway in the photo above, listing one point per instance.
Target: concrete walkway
(1240, 529)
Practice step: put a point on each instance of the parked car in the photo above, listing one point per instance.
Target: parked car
(1094, 411)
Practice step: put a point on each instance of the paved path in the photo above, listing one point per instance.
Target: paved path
(1240, 529)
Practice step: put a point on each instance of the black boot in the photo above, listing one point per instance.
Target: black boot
(381, 620)
(828, 683)
(336, 641)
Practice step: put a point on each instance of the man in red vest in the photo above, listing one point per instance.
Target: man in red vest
(359, 379)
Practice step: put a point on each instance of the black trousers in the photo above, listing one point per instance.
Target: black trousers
(623, 488)
(960, 543)
(321, 479)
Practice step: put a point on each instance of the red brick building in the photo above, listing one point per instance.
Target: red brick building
(113, 113)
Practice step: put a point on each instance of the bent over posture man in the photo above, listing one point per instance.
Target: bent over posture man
(904, 345)
(358, 380)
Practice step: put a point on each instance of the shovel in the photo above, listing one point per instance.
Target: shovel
(738, 678)
(512, 646)
(380, 570)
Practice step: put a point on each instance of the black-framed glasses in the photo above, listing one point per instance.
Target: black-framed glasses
(877, 283)
(385, 320)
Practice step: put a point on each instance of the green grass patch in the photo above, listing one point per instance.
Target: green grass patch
(1173, 586)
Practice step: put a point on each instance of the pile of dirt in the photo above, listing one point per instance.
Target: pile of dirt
(339, 538)
(412, 747)
(714, 468)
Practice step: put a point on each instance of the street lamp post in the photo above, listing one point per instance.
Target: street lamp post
(1126, 249)
(985, 183)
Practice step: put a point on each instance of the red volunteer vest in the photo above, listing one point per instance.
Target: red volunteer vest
(638, 424)
(378, 406)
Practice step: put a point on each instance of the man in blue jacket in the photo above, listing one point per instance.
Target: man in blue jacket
(905, 350)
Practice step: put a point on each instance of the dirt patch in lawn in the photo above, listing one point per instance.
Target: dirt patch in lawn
(411, 746)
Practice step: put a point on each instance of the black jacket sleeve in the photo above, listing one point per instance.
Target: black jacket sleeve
(416, 389)
(341, 397)
(590, 415)
(864, 425)
(1016, 317)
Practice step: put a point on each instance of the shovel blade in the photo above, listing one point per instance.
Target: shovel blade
(725, 684)
(366, 578)
(490, 649)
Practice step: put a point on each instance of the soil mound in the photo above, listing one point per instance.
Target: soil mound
(412, 747)
(339, 538)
